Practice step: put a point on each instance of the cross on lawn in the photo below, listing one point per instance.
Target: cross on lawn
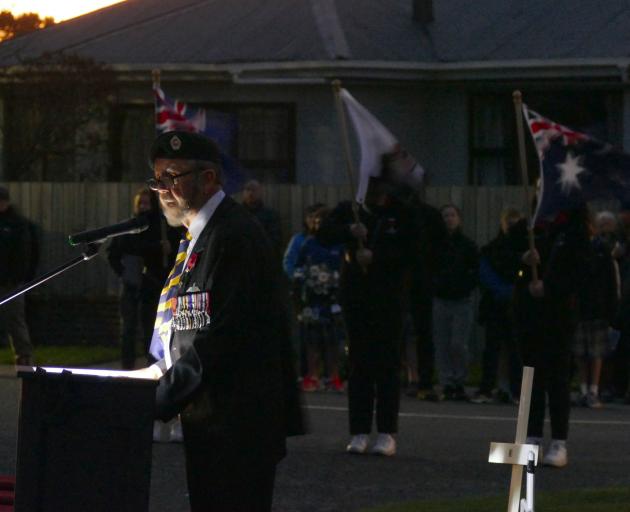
(519, 454)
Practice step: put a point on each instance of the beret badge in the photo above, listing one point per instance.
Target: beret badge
(175, 142)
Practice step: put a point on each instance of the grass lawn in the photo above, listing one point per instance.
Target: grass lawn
(594, 500)
(73, 355)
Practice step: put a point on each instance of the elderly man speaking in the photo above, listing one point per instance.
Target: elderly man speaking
(221, 335)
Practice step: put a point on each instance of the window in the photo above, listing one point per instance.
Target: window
(263, 142)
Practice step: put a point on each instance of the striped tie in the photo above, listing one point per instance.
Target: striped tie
(162, 328)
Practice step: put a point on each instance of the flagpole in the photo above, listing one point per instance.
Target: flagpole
(518, 108)
(156, 76)
(348, 157)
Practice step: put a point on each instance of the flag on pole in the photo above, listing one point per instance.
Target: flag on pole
(172, 114)
(379, 150)
(575, 168)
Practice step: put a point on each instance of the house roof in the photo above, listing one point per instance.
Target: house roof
(220, 32)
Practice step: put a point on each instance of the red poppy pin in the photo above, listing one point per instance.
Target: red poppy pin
(192, 261)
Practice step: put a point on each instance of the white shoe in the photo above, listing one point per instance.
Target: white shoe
(161, 432)
(358, 443)
(556, 456)
(385, 445)
(176, 431)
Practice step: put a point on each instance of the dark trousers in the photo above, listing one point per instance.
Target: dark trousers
(220, 482)
(374, 367)
(500, 334)
(137, 304)
(13, 322)
(550, 354)
(365, 385)
(621, 364)
(421, 309)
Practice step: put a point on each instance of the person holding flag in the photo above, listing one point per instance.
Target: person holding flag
(574, 168)
(380, 234)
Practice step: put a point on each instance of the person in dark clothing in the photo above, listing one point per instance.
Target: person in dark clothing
(142, 262)
(454, 281)
(598, 302)
(621, 356)
(498, 268)
(17, 267)
(222, 327)
(379, 252)
(546, 315)
(433, 233)
(270, 220)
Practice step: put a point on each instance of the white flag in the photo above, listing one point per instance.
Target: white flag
(379, 149)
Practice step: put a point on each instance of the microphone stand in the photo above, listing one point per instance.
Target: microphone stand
(89, 251)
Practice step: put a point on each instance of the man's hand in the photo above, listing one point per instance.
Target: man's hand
(531, 258)
(364, 257)
(358, 231)
(150, 372)
(618, 251)
(537, 289)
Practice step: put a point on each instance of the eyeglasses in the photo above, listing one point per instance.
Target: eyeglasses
(166, 181)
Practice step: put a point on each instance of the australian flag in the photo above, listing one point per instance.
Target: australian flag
(575, 168)
(172, 114)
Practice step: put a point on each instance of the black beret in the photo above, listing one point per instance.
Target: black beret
(180, 145)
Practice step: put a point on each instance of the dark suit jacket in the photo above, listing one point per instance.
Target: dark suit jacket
(233, 378)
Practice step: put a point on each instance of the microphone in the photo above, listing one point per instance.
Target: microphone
(131, 226)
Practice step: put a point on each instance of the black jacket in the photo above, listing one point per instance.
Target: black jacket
(563, 250)
(233, 378)
(147, 246)
(597, 297)
(392, 237)
(457, 271)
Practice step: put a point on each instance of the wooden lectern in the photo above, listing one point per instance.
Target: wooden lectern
(84, 441)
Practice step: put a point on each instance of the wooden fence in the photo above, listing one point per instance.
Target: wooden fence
(60, 209)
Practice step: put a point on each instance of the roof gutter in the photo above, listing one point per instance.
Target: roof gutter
(315, 72)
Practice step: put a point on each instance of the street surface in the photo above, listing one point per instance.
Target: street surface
(442, 453)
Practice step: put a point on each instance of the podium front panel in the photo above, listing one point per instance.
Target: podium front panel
(84, 443)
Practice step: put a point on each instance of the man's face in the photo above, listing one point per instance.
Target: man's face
(252, 193)
(185, 194)
(451, 218)
(4, 205)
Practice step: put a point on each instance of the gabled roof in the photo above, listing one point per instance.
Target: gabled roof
(188, 32)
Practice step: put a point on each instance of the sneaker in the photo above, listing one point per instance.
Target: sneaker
(430, 395)
(310, 384)
(448, 393)
(581, 400)
(385, 445)
(412, 390)
(335, 385)
(556, 455)
(358, 443)
(505, 397)
(161, 432)
(177, 435)
(481, 398)
(593, 402)
(459, 394)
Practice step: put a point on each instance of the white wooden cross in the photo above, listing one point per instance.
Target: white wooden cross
(517, 454)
